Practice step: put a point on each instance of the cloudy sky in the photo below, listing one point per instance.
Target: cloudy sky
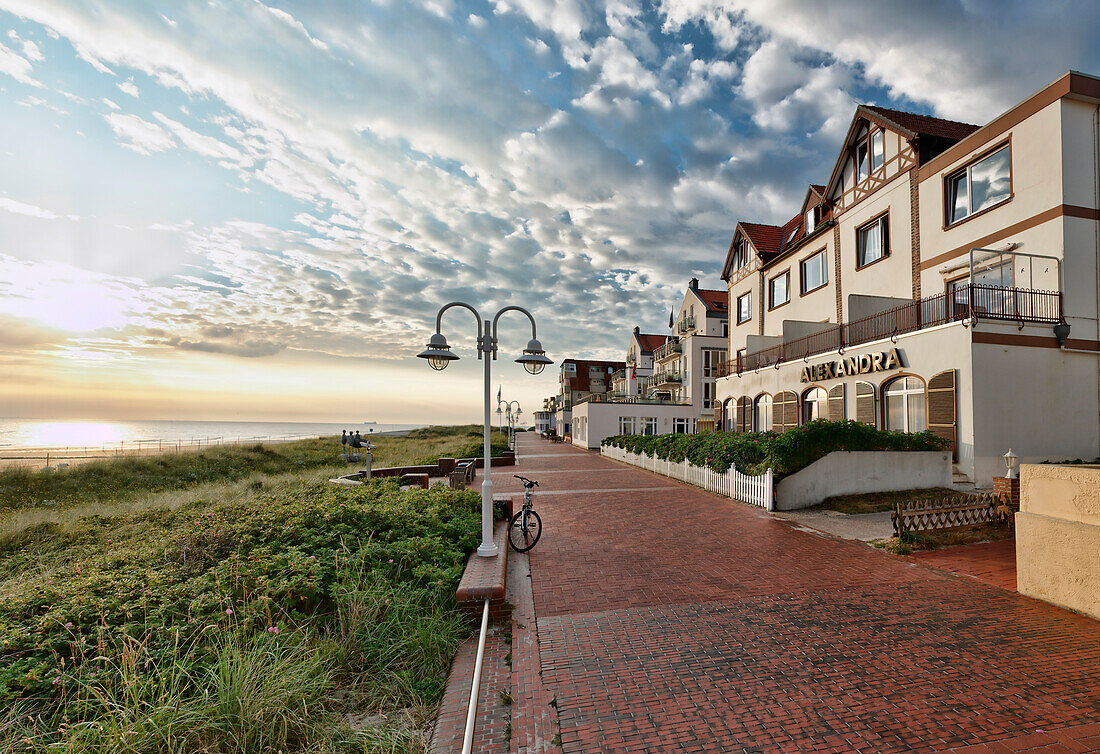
(242, 209)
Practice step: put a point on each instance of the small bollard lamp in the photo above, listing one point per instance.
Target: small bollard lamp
(1010, 464)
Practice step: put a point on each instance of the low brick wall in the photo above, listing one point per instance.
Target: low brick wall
(486, 577)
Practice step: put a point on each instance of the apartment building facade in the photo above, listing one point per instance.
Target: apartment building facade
(946, 277)
(577, 379)
(630, 381)
(686, 366)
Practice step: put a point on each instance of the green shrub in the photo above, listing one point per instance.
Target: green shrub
(784, 454)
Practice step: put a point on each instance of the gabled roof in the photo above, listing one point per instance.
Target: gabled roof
(715, 301)
(912, 124)
(649, 342)
(815, 195)
(764, 239)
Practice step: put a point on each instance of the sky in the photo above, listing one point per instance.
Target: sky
(235, 209)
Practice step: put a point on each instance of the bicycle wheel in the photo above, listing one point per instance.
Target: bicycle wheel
(523, 537)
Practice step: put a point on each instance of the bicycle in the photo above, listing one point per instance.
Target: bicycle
(525, 528)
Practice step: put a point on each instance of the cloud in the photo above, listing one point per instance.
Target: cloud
(139, 135)
(16, 66)
(129, 87)
(21, 208)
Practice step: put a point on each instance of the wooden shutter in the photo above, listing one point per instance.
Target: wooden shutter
(865, 403)
(941, 408)
(836, 403)
(784, 411)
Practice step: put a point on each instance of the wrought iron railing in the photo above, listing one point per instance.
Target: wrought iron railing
(663, 378)
(967, 302)
(687, 324)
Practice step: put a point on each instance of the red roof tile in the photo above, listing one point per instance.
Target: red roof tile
(716, 301)
(925, 124)
(580, 380)
(765, 238)
(650, 343)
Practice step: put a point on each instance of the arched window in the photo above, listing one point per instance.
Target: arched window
(903, 399)
(762, 414)
(815, 404)
(729, 415)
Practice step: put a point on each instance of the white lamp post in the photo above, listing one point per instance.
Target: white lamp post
(534, 360)
(1010, 464)
(511, 419)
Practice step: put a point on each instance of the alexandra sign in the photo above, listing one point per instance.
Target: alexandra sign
(865, 364)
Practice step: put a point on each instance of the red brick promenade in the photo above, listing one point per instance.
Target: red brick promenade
(670, 619)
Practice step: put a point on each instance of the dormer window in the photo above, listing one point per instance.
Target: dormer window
(870, 153)
(878, 151)
(741, 254)
(862, 163)
(810, 224)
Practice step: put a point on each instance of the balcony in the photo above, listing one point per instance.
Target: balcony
(687, 324)
(668, 350)
(663, 378)
(634, 399)
(978, 301)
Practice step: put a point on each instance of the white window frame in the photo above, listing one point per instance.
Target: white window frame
(648, 425)
(628, 425)
(822, 404)
(762, 402)
(747, 297)
(899, 388)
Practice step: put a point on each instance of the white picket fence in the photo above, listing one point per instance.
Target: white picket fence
(755, 490)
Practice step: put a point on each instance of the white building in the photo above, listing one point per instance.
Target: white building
(598, 417)
(686, 366)
(630, 381)
(578, 379)
(945, 277)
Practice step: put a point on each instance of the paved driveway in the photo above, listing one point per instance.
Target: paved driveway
(671, 619)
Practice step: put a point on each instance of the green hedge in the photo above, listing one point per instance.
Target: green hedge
(784, 454)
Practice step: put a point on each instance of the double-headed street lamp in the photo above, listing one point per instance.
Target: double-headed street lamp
(534, 360)
(512, 418)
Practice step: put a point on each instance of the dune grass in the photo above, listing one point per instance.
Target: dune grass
(258, 612)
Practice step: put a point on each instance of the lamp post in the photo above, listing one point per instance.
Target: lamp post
(512, 418)
(534, 360)
(1010, 464)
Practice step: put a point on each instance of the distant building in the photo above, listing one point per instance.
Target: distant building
(577, 379)
(630, 381)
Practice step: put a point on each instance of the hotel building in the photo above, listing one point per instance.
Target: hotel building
(577, 380)
(945, 277)
(630, 381)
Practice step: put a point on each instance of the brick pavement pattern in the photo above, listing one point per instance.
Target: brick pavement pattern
(991, 562)
(671, 619)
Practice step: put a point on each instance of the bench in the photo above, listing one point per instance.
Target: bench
(463, 475)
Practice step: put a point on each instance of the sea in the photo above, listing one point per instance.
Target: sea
(52, 433)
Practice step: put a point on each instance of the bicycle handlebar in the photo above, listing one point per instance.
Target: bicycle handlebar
(528, 483)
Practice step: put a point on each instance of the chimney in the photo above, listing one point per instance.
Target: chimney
(694, 284)
(637, 330)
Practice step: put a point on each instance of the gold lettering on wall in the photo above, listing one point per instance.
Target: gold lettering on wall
(867, 363)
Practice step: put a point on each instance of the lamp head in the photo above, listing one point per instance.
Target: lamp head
(1061, 332)
(1010, 464)
(438, 353)
(534, 357)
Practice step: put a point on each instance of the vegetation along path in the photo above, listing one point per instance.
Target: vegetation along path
(671, 619)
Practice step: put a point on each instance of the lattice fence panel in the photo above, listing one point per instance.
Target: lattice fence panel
(950, 512)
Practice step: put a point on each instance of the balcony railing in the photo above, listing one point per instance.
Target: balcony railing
(629, 399)
(663, 378)
(618, 375)
(979, 301)
(668, 350)
(687, 324)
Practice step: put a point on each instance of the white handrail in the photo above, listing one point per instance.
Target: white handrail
(471, 714)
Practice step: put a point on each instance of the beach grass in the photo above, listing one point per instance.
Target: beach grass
(251, 608)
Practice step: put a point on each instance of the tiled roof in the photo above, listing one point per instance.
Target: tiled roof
(925, 124)
(765, 238)
(716, 301)
(650, 342)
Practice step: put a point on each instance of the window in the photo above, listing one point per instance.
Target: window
(878, 152)
(725, 328)
(810, 224)
(779, 290)
(904, 398)
(980, 185)
(862, 167)
(744, 308)
(712, 357)
(814, 273)
(708, 395)
(872, 241)
(815, 404)
(681, 426)
(627, 425)
(741, 255)
(649, 425)
(762, 415)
